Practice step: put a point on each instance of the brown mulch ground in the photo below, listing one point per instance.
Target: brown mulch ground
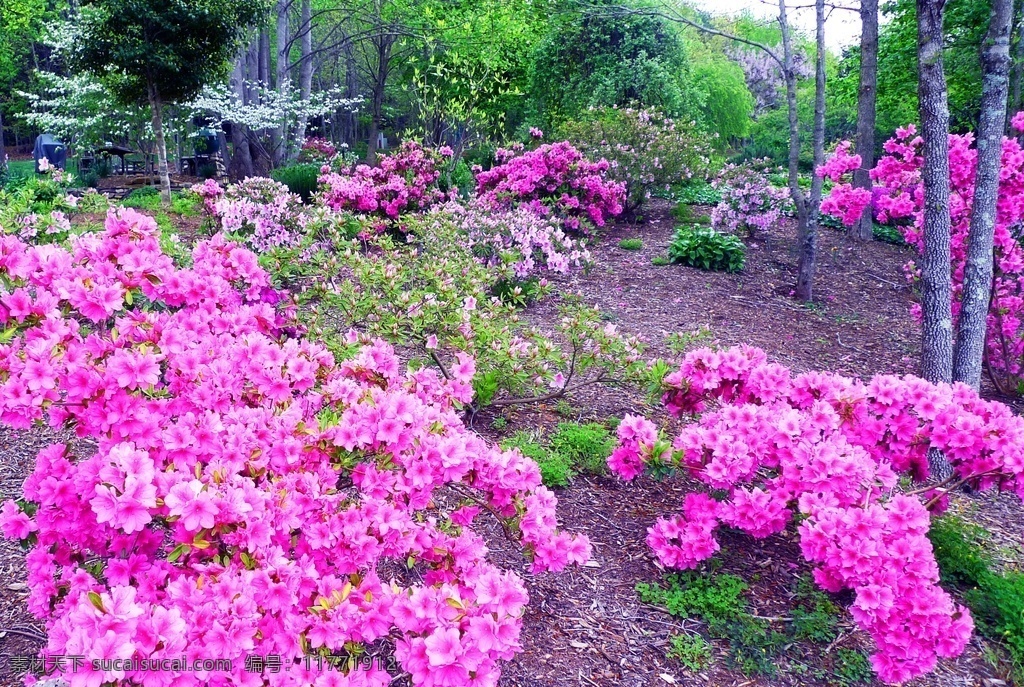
(587, 627)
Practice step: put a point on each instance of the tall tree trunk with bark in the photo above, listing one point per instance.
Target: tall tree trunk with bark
(936, 280)
(156, 105)
(866, 97)
(800, 201)
(380, 77)
(279, 137)
(972, 326)
(305, 64)
(937, 354)
(241, 165)
(808, 239)
(3, 148)
(1017, 77)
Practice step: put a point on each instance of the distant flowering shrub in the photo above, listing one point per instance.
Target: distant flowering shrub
(402, 182)
(749, 200)
(552, 180)
(260, 210)
(829, 449)
(519, 239)
(248, 493)
(897, 198)
(317, 150)
(646, 150)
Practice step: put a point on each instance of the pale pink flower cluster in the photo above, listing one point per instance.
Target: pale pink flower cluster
(248, 494)
(260, 210)
(525, 242)
(749, 200)
(553, 179)
(831, 449)
(897, 197)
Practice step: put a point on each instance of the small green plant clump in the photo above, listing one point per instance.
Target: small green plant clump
(301, 179)
(755, 643)
(571, 449)
(631, 244)
(996, 599)
(703, 247)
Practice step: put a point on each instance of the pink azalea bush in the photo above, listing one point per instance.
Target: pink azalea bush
(261, 211)
(402, 182)
(519, 239)
(898, 198)
(749, 200)
(646, 150)
(829, 450)
(555, 180)
(317, 149)
(243, 492)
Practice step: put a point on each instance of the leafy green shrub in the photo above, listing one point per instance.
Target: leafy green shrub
(683, 213)
(555, 470)
(851, 666)
(996, 600)
(957, 551)
(703, 247)
(693, 651)
(631, 244)
(586, 447)
(145, 198)
(301, 179)
(660, 261)
(698, 192)
(715, 599)
(887, 234)
(815, 616)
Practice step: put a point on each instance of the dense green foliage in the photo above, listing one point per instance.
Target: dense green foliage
(300, 179)
(703, 247)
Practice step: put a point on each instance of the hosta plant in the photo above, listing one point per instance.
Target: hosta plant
(703, 247)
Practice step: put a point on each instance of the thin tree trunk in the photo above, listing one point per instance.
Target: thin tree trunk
(161, 144)
(937, 356)
(1017, 80)
(936, 279)
(264, 62)
(279, 137)
(995, 61)
(306, 64)
(809, 239)
(377, 105)
(349, 133)
(3, 148)
(866, 97)
(803, 289)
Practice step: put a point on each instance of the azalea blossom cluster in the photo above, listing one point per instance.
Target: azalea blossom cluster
(749, 199)
(260, 210)
(404, 181)
(245, 492)
(831, 449)
(555, 179)
(897, 197)
(646, 150)
(317, 149)
(520, 239)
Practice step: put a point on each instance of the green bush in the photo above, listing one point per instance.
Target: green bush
(699, 192)
(555, 470)
(996, 600)
(587, 447)
(300, 179)
(703, 247)
(693, 651)
(631, 244)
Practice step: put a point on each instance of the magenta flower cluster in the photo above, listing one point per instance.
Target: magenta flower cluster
(556, 180)
(830, 449)
(898, 197)
(405, 181)
(749, 200)
(261, 211)
(246, 493)
(317, 149)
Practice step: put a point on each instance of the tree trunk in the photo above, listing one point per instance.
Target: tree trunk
(1018, 61)
(377, 100)
(995, 61)
(306, 64)
(866, 97)
(349, 133)
(279, 137)
(3, 148)
(161, 144)
(936, 280)
(803, 289)
(264, 60)
(808, 240)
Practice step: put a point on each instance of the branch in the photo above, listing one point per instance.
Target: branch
(437, 361)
